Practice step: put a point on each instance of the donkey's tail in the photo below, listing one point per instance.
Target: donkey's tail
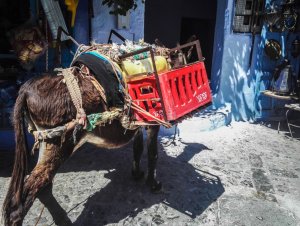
(13, 199)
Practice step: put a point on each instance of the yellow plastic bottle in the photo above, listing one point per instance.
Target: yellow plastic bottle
(140, 68)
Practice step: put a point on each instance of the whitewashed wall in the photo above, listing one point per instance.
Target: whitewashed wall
(103, 22)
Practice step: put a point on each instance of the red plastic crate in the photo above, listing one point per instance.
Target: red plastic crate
(183, 90)
(144, 93)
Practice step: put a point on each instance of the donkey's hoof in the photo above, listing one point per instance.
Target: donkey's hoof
(137, 175)
(155, 186)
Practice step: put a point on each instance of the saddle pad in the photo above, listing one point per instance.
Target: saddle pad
(105, 75)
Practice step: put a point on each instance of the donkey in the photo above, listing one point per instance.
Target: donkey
(46, 103)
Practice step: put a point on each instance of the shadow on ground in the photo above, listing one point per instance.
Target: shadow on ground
(185, 188)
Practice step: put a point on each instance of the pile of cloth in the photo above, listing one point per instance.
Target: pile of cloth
(114, 51)
(140, 64)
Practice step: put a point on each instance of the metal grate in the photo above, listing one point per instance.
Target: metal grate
(242, 24)
(247, 16)
(243, 7)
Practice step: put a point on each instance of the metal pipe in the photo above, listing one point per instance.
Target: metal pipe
(55, 17)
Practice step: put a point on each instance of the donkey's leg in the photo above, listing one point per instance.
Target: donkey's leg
(59, 215)
(152, 134)
(138, 146)
(40, 177)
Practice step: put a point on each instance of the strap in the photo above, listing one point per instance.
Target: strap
(74, 90)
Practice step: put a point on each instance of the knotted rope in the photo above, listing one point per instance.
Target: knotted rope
(72, 84)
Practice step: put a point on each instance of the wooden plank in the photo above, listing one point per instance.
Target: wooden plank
(295, 107)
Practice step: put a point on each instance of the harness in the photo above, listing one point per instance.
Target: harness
(109, 75)
(82, 121)
(107, 79)
(106, 75)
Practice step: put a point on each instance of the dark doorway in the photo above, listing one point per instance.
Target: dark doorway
(175, 21)
(12, 14)
(204, 30)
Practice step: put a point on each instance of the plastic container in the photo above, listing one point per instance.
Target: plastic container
(183, 91)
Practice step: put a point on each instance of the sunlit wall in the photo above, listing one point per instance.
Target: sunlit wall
(103, 22)
(238, 80)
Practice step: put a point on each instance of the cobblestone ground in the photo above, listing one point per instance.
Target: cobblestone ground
(243, 174)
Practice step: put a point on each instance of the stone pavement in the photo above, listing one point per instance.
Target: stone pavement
(242, 174)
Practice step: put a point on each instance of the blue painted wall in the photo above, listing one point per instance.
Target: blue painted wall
(236, 83)
(232, 80)
(81, 27)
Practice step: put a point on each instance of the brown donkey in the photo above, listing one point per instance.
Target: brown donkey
(46, 103)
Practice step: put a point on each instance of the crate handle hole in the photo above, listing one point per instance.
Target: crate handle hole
(146, 90)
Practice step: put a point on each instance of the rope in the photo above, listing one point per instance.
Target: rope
(99, 88)
(136, 107)
(128, 101)
(132, 105)
(73, 87)
(98, 119)
(85, 71)
(75, 93)
(81, 49)
(47, 134)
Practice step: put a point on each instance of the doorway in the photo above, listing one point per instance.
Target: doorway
(204, 30)
(175, 21)
(13, 13)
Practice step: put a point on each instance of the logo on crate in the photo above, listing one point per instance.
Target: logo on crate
(202, 97)
(159, 113)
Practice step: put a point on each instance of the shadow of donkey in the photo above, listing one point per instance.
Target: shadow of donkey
(186, 189)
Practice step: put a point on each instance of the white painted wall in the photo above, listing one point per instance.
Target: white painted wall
(103, 22)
